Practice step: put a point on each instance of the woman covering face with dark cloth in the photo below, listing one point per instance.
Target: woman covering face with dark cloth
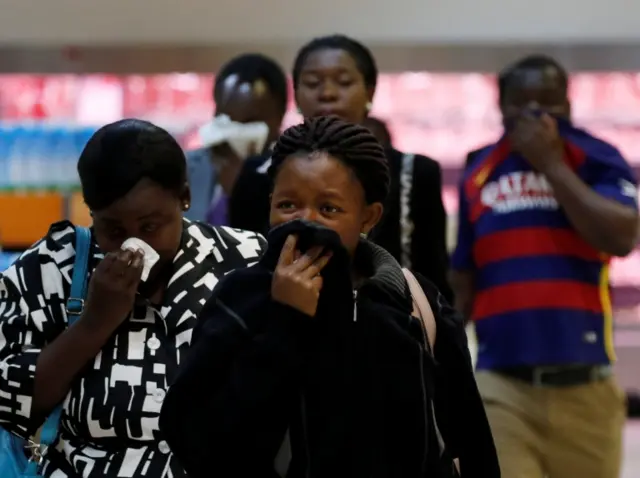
(336, 75)
(112, 367)
(321, 338)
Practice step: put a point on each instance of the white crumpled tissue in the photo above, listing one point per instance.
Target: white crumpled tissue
(240, 136)
(150, 255)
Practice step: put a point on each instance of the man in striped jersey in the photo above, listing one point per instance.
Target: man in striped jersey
(541, 213)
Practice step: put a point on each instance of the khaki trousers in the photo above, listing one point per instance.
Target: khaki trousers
(545, 432)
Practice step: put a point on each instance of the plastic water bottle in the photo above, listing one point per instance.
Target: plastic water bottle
(57, 158)
(22, 156)
(6, 143)
(35, 145)
(47, 159)
(34, 157)
(16, 158)
(45, 176)
(64, 147)
(10, 134)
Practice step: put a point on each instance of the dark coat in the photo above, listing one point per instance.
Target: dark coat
(249, 210)
(429, 256)
(354, 385)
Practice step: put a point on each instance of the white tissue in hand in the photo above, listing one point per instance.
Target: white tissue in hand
(242, 137)
(150, 255)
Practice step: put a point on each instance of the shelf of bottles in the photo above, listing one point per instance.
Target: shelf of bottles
(38, 177)
(40, 158)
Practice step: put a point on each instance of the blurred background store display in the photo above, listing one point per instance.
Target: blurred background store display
(45, 120)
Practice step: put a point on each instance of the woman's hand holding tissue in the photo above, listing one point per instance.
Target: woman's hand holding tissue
(112, 289)
(231, 143)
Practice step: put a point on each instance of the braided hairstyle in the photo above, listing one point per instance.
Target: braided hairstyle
(350, 143)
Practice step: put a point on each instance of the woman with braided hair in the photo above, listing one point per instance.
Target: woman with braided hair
(337, 75)
(316, 361)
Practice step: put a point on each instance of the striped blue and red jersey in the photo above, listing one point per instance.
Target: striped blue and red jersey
(541, 291)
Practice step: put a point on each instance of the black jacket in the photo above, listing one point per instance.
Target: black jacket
(249, 210)
(249, 201)
(429, 256)
(354, 387)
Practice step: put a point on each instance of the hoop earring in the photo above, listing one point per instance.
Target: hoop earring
(369, 106)
(363, 235)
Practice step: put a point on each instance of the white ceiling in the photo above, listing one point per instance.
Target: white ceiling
(206, 22)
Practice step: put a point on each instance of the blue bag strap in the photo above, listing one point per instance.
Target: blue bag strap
(75, 305)
(75, 302)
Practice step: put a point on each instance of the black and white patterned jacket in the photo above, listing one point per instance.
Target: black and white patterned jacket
(109, 426)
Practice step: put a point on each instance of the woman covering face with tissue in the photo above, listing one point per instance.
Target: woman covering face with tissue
(151, 271)
(250, 96)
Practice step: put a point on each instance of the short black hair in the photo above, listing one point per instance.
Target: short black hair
(120, 154)
(361, 55)
(530, 62)
(250, 68)
(352, 144)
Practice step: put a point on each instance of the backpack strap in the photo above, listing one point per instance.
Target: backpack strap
(422, 310)
(75, 302)
(75, 306)
(421, 307)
